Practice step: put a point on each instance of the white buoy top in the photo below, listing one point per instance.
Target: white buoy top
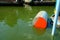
(41, 14)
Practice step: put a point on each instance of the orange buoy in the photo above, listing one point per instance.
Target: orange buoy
(40, 21)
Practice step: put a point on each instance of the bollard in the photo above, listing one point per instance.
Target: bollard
(27, 1)
(40, 20)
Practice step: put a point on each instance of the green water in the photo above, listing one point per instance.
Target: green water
(16, 24)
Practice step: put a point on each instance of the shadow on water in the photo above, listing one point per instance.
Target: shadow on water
(16, 24)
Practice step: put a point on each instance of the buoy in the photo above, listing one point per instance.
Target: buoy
(40, 20)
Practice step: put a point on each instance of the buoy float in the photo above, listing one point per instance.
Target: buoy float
(40, 20)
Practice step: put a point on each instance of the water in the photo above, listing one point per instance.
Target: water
(16, 24)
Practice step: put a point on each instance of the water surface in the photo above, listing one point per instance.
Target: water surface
(16, 24)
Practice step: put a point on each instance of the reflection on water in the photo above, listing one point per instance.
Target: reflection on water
(9, 16)
(28, 7)
(11, 19)
(16, 24)
(39, 31)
